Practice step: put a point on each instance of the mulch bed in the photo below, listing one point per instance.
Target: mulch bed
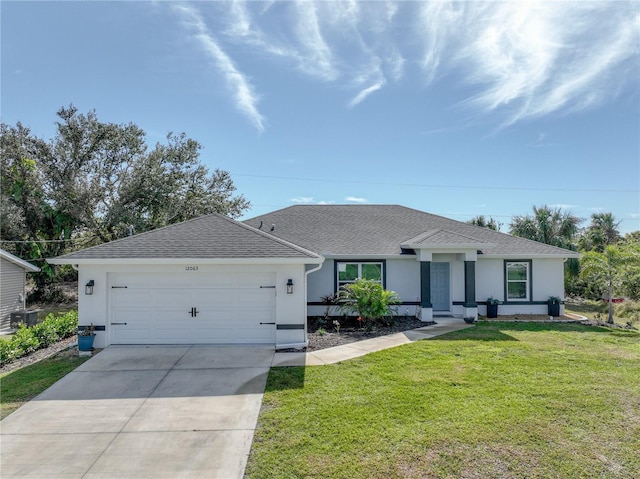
(329, 337)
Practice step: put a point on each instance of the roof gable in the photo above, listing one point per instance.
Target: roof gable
(440, 237)
(212, 236)
(381, 230)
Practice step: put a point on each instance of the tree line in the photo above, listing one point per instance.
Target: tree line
(95, 182)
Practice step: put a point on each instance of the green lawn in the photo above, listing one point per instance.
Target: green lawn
(517, 400)
(21, 385)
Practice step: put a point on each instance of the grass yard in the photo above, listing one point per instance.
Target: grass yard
(21, 385)
(516, 400)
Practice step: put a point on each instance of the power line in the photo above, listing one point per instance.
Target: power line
(470, 215)
(420, 185)
(39, 241)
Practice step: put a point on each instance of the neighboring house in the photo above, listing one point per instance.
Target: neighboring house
(13, 274)
(438, 265)
(216, 280)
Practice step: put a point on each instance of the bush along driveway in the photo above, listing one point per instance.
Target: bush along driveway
(498, 400)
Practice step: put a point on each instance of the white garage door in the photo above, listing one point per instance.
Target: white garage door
(189, 308)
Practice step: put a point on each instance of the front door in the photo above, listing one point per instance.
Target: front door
(440, 287)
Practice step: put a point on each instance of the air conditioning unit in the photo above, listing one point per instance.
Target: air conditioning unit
(28, 318)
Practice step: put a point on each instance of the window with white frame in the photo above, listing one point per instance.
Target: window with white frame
(350, 272)
(518, 277)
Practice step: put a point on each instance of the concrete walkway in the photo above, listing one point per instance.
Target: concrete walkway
(360, 348)
(142, 412)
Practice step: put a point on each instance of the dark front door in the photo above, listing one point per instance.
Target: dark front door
(440, 298)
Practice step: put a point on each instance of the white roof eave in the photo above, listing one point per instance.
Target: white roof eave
(528, 255)
(20, 262)
(449, 246)
(171, 261)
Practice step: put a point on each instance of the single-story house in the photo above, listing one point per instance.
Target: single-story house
(216, 280)
(443, 266)
(13, 275)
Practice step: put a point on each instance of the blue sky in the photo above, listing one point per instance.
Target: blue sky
(456, 108)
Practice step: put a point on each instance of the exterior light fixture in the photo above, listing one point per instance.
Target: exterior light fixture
(289, 286)
(88, 288)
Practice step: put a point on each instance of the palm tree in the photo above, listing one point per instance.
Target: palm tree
(602, 231)
(547, 225)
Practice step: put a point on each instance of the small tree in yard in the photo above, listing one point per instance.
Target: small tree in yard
(368, 299)
(610, 268)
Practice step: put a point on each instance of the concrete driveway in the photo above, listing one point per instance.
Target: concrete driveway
(142, 412)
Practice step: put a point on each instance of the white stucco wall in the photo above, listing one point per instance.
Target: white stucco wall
(403, 277)
(489, 280)
(321, 282)
(289, 309)
(547, 276)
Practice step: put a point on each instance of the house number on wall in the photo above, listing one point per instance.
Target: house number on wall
(191, 268)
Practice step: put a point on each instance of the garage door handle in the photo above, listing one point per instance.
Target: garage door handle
(118, 324)
(267, 323)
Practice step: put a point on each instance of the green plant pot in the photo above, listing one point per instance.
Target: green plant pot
(85, 343)
(492, 310)
(553, 309)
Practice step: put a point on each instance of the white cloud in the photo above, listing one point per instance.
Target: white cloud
(366, 92)
(317, 58)
(246, 99)
(395, 63)
(309, 200)
(355, 199)
(563, 206)
(523, 59)
(536, 58)
(302, 199)
(438, 25)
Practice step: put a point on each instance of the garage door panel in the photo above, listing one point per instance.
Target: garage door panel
(146, 280)
(215, 299)
(254, 298)
(148, 311)
(141, 299)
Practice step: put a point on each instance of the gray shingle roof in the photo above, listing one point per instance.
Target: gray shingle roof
(212, 236)
(382, 229)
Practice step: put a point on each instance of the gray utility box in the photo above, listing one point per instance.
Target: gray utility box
(28, 318)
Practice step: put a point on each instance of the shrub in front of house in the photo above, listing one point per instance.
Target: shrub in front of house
(27, 340)
(368, 299)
